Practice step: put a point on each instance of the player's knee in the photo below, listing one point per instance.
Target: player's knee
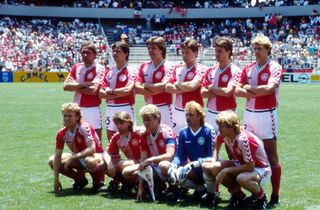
(90, 162)
(164, 166)
(206, 167)
(50, 161)
(242, 179)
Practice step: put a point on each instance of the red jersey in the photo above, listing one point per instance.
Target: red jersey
(246, 148)
(149, 74)
(130, 146)
(78, 140)
(118, 78)
(157, 144)
(270, 73)
(183, 74)
(80, 73)
(221, 78)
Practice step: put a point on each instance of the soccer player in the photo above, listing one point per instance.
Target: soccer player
(219, 82)
(117, 86)
(158, 144)
(84, 79)
(259, 84)
(185, 82)
(127, 141)
(195, 145)
(153, 76)
(249, 168)
(85, 147)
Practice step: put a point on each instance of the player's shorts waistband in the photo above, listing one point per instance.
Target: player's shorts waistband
(117, 105)
(260, 111)
(217, 112)
(179, 109)
(159, 105)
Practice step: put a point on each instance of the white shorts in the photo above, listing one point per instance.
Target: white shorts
(92, 115)
(179, 120)
(263, 124)
(113, 109)
(211, 119)
(264, 173)
(166, 114)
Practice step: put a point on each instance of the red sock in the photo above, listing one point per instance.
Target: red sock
(76, 175)
(275, 178)
(237, 192)
(97, 177)
(217, 188)
(260, 193)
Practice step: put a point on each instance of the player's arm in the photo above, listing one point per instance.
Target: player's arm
(91, 90)
(180, 156)
(124, 91)
(261, 90)
(140, 89)
(241, 92)
(189, 86)
(56, 169)
(205, 93)
(172, 88)
(222, 91)
(107, 159)
(216, 150)
(156, 88)
(71, 84)
(140, 192)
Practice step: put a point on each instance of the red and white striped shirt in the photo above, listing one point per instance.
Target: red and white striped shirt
(221, 78)
(119, 78)
(270, 73)
(246, 147)
(183, 74)
(80, 73)
(148, 73)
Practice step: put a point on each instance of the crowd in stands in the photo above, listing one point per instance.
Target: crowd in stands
(53, 45)
(162, 3)
(45, 44)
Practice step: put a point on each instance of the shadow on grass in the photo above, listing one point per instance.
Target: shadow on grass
(70, 192)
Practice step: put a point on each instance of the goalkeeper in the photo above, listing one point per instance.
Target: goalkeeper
(195, 145)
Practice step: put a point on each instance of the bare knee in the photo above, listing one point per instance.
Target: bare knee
(242, 179)
(164, 166)
(90, 162)
(206, 167)
(50, 161)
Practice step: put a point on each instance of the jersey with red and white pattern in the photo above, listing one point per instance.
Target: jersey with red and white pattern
(148, 74)
(271, 73)
(77, 141)
(80, 73)
(130, 146)
(183, 74)
(156, 144)
(118, 78)
(227, 77)
(246, 148)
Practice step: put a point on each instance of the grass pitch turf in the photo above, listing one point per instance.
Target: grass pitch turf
(30, 118)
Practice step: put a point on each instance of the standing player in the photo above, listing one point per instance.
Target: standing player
(158, 144)
(195, 145)
(86, 150)
(185, 82)
(117, 86)
(153, 76)
(249, 168)
(259, 83)
(219, 82)
(84, 79)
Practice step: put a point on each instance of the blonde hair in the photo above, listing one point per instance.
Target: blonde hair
(160, 42)
(150, 110)
(123, 117)
(261, 39)
(229, 119)
(72, 107)
(192, 105)
(90, 46)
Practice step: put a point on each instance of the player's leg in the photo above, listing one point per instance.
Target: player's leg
(179, 119)
(90, 163)
(128, 172)
(212, 194)
(93, 116)
(166, 114)
(110, 125)
(211, 119)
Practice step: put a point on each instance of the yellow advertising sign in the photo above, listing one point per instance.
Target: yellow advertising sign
(39, 76)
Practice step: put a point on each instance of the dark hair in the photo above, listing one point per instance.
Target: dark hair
(225, 43)
(191, 44)
(160, 42)
(124, 47)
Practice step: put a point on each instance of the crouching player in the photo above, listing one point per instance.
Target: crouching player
(250, 168)
(86, 151)
(195, 144)
(158, 144)
(128, 141)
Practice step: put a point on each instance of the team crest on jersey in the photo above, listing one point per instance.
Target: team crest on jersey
(201, 141)
(135, 142)
(190, 75)
(122, 77)
(225, 78)
(90, 75)
(264, 76)
(158, 75)
(161, 143)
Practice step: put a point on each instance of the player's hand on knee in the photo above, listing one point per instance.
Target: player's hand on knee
(221, 176)
(140, 194)
(111, 170)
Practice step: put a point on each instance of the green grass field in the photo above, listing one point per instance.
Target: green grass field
(30, 118)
